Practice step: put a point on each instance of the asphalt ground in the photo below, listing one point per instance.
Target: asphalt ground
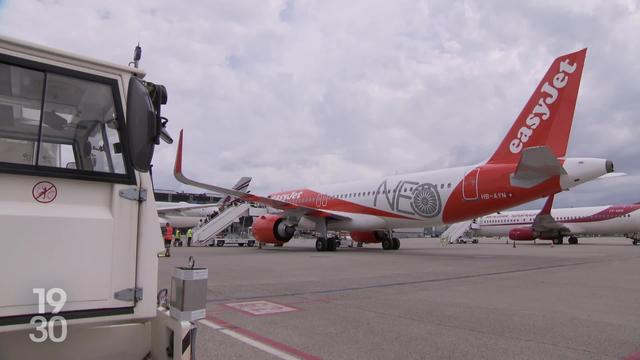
(424, 301)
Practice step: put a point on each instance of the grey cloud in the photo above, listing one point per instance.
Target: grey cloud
(304, 92)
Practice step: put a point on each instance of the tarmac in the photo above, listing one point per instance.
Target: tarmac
(424, 301)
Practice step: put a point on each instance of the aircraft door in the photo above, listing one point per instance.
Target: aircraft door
(470, 185)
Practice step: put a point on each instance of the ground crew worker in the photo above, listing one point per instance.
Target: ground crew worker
(175, 243)
(189, 236)
(168, 237)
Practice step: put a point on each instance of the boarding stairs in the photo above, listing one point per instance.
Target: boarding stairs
(458, 230)
(208, 231)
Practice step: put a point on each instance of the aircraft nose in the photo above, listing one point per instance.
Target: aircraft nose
(609, 166)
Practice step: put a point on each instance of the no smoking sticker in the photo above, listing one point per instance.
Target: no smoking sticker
(44, 192)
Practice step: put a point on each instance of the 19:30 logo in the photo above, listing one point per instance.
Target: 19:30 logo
(46, 329)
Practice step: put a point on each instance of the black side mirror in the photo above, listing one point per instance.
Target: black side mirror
(142, 125)
(159, 97)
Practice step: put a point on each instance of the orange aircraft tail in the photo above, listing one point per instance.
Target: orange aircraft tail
(547, 117)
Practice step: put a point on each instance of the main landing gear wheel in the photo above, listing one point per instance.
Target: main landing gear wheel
(396, 244)
(573, 240)
(331, 244)
(387, 244)
(635, 242)
(321, 244)
(558, 241)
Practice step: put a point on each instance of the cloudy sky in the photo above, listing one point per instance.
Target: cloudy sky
(298, 93)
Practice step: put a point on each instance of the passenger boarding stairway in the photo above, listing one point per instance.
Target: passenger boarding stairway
(457, 230)
(208, 231)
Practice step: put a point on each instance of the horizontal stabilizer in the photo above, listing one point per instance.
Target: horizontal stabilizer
(536, 165)
(611, 175)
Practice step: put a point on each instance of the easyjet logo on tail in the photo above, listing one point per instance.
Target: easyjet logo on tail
(541, 110)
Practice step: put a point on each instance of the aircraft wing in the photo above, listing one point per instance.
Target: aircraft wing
(287, 207)
(180, 207)
(544, 222)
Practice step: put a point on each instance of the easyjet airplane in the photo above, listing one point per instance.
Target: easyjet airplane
(528, 164)
(548, 224)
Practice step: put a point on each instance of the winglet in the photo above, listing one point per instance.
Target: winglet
(547, 116)
(177, 168)
(546, 209)
(177, 172)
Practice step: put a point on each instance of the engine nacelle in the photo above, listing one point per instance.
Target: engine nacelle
(523, 234)
(368, 237)
(272, 229)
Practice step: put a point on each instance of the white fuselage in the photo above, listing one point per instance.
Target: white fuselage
(422, 199)
(596, 220)
(182, 218)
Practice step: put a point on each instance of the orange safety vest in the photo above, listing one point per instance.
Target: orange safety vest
(168, 234)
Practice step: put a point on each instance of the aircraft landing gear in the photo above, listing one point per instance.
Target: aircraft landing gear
(635, 242)
(558, 241)
(389, 243)
(323, 244)
(573, 240)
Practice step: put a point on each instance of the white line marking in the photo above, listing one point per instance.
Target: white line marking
(264, 347)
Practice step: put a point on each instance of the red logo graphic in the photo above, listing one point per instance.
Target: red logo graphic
(44, 192)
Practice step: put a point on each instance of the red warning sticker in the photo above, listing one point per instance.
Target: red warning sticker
(44, 192)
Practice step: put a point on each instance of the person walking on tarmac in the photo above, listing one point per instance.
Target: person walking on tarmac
(168, 237)
(178, 238)
(189, 236)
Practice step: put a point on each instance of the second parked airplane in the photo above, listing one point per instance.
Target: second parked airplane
(548, 224)
(528, 164)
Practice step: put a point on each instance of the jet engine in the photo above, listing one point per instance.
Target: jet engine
(368, 237)
(525, 234)
(272, 229)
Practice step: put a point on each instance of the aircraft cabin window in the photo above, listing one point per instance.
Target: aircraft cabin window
(448, 185)
(441, 186)
(73, 130)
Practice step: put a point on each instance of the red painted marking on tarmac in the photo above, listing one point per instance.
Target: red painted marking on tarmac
(273, 343)
(633, 356)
